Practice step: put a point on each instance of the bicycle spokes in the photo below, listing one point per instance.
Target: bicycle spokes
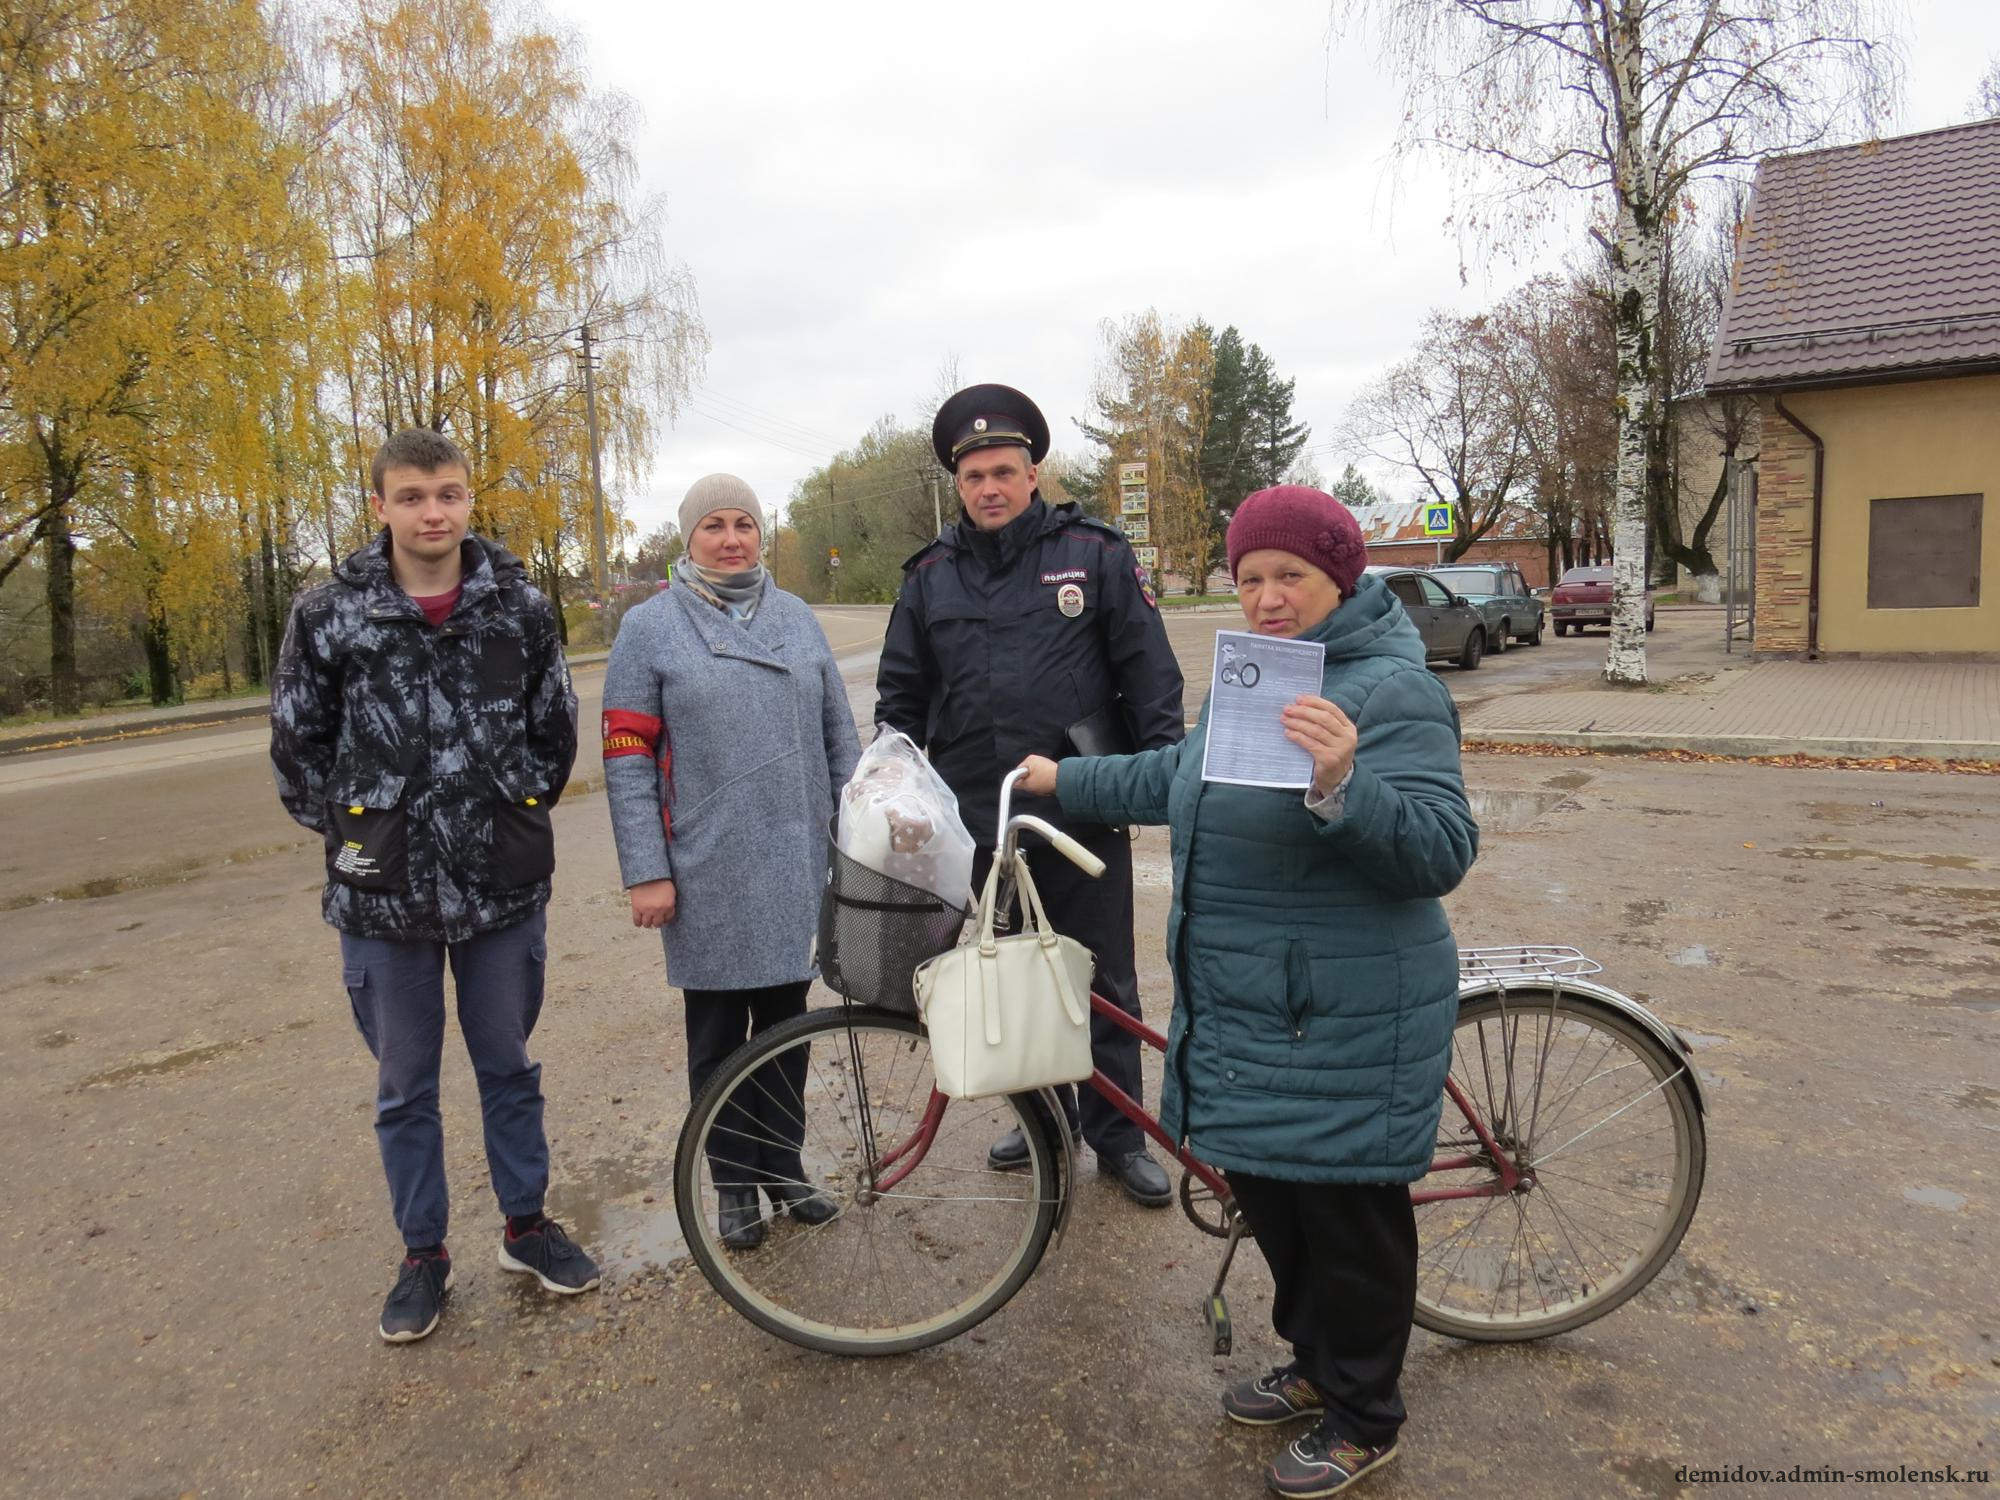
(1567, 1163)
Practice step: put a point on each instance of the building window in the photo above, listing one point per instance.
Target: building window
(1923, 552)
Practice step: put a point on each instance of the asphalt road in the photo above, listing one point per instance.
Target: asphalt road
(197, 1242)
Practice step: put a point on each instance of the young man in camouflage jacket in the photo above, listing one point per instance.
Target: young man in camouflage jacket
(422, 721)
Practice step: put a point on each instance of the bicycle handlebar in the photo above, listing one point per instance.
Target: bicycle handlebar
(1011, 826)
(1066, 846)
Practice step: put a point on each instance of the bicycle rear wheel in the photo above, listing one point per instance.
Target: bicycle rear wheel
(899, 1267)
(1602, 1120)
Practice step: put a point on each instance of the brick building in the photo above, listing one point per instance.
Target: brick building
(1394, 532)
(1864, 319)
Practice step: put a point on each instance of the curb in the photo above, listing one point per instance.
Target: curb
(1742, 746)
(143, 725)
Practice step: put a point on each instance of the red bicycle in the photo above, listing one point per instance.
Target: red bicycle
(1569, 1158)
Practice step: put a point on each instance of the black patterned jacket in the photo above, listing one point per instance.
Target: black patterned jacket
(428, 758)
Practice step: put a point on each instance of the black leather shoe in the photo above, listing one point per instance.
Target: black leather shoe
(804, 1202)
(1144, 1180)
(1009, 1153)
(741, 1219)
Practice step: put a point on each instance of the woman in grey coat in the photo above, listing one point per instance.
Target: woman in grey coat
(727, 736)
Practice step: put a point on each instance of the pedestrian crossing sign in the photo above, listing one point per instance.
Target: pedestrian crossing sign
(1437, 521)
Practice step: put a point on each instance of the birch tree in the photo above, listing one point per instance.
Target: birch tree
(1637, 103)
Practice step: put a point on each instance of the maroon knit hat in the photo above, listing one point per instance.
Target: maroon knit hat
(1305, 522)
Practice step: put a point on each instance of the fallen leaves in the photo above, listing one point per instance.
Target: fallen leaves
(1702, 757)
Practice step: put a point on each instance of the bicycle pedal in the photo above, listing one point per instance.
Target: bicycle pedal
(1215, 1313)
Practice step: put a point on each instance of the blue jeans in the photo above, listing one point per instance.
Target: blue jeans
(397, 990)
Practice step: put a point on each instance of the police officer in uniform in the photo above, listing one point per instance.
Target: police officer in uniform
(1029, 628)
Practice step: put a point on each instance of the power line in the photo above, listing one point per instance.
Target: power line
(763, 437)
(772, 420)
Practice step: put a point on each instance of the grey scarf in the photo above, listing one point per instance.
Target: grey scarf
(738, 593)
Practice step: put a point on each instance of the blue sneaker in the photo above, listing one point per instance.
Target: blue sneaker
(550, 1256)
(417, 1301)
(1322, 1463)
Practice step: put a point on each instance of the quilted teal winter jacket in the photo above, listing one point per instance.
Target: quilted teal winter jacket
(1315, 973)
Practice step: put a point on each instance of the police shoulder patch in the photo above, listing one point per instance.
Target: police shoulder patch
(1145, 587)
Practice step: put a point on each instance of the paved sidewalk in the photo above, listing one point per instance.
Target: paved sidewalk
(1920, 710)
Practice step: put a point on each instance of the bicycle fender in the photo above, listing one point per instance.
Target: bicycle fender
(1624, 1005)
(1067, 1198)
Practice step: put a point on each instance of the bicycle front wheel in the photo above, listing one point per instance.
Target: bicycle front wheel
(928, 1238)
(1600, 1118)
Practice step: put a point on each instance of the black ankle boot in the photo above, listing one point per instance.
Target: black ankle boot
(741, 1219)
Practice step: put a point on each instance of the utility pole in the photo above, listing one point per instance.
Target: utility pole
(937, 510)
(833, 525)
(597, 567)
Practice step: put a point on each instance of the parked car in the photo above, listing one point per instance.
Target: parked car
(1451, 627)
(1583, 597)
(1502, 596)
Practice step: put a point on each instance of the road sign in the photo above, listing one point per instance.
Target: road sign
(833, 554)
(1437, 521)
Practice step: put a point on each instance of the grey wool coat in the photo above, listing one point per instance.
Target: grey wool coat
(753, 723)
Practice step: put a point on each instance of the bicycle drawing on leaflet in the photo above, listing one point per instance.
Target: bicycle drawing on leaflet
(1568, 1164)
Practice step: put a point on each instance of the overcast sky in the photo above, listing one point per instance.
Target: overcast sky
(864, 192)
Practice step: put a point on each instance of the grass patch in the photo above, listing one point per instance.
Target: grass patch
(1192, 601)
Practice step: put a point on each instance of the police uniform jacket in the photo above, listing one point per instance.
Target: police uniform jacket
(1000, 641)
(428, 758)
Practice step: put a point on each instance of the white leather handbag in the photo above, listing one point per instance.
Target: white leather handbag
(1007, 1014)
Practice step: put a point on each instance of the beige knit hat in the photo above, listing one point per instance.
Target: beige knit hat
(714, 492)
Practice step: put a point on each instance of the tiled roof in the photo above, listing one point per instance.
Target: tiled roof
(1877, 258)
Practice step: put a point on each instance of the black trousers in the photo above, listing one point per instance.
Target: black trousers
(756, 1139)
(1344, 1257)
(1098, 914)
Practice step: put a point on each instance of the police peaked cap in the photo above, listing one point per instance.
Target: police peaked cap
(988, 416)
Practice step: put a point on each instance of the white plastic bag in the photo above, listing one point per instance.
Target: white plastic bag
(898, 818)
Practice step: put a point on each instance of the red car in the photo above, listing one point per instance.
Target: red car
(1583, 597)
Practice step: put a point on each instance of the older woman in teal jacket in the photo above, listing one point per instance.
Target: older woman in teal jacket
(1315, 975)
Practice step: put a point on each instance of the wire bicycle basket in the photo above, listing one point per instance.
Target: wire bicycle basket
(875, 930)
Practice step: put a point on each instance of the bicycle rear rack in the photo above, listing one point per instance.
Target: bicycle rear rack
(1524, 961)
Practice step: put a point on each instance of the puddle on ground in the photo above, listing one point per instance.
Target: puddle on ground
(605, 1207)
(1856, 812)
(176, 874)
(1976, 1096)
(1645, 913)
(1570, 781)
(1689, 1286)
(170, 1062)
(53, 1039)
(1694, 956)
(1930, 861)
(1986, 1001)
(1650, 1475)
(1936, 1197)
(1510, 812)
(1700, 1039)
(151, 1065)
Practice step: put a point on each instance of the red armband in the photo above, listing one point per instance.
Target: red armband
(628, 733)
